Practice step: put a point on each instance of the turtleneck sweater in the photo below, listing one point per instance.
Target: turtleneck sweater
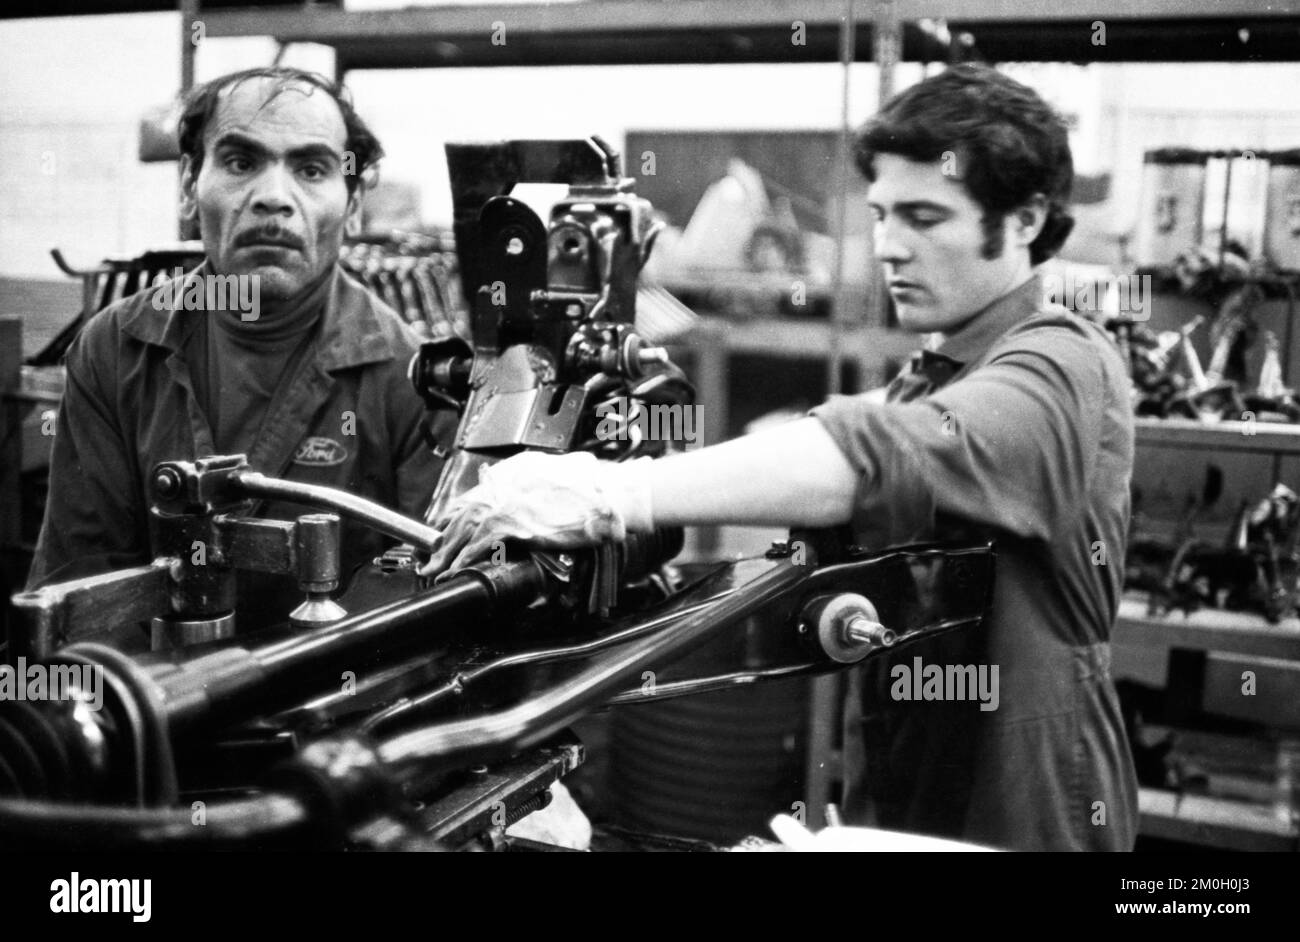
(239, 367)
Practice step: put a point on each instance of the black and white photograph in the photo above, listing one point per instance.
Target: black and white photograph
(652, 426)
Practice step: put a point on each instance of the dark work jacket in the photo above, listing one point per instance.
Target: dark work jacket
(1025, 438)
(348, 419)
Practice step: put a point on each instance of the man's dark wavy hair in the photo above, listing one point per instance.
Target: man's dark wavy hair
(1007, 143)
(202, 101)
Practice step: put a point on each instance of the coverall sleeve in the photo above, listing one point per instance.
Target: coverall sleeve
(1007, 446)
(94, 519)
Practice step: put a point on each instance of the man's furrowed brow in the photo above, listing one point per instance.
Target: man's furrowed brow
(234, 140)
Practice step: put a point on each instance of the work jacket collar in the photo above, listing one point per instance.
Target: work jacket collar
(350, 333)
(969, 343)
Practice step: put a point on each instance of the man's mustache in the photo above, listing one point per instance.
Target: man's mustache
(269, 235)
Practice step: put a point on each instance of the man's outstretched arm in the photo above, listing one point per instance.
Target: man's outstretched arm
(1010, 447)
(794, 475)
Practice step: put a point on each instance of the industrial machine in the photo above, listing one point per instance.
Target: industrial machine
(405, 712)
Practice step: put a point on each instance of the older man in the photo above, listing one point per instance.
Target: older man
(295, 364)
(1016, 428)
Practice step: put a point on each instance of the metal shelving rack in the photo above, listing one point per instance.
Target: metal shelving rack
(1258, 437)
(625, 32)
(1188, 642)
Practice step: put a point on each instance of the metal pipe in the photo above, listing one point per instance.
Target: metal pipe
(224, 684)
(410, 705)
(839, 312)
(545, 714)
(346, 635)
(389, 522)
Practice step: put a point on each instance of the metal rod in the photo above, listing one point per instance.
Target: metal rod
(225, 683)
(189, 10)
(887, 35)
(848, 36)
(463, 679)
(550, 711)
(189, 42)
(376, 515)
(344, 635)
(714, 683)
(888, 43)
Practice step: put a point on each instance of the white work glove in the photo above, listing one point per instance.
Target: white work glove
(556, 501)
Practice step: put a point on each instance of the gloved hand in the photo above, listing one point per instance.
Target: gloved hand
(556, 501)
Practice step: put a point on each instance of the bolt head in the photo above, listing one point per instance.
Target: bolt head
(166, 483)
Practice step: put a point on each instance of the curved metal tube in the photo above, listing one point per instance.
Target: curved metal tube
(386, 521)
(531, 722)
(717, 682)
(464, 678)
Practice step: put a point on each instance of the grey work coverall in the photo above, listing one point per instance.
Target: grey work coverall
(1028, 441)
(348, 418)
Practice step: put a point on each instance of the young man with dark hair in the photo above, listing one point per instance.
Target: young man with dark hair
(1017, 427)
(954, 118)
(308, 380)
